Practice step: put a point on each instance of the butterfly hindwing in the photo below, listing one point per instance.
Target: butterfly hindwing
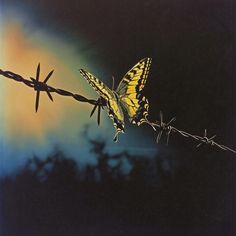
(130, 91)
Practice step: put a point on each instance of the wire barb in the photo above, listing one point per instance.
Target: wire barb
(41, 86)
(206, 140)
(164, 127)
(158, 126)
(99, 104)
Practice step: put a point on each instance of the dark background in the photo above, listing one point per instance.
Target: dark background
(183, 191)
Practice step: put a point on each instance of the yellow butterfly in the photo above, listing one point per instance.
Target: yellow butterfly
(128, 96)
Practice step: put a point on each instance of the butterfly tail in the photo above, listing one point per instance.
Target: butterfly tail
(115, 139)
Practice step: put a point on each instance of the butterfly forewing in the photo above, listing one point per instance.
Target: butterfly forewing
(130, 91)
(98, 85)
(113, 107)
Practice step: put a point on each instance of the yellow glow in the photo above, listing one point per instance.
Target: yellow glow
(22, 54)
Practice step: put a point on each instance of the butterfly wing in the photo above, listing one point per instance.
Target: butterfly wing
(113, 106)
(130, 91)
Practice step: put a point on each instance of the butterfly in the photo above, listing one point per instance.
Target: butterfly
(127, 97)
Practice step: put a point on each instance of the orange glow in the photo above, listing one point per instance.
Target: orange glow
(21, 55)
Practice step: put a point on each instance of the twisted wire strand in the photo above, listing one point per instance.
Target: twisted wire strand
(159, 126)
(29, 83)
(201, 139)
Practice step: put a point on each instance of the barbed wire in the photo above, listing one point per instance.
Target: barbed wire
(167, 128)
(159, 126)
(42, 86)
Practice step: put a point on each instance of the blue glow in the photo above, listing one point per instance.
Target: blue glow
(15, 151)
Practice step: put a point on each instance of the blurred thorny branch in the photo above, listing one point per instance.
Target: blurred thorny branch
(159, 126)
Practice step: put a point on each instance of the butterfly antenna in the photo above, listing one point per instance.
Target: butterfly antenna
(113, 82)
